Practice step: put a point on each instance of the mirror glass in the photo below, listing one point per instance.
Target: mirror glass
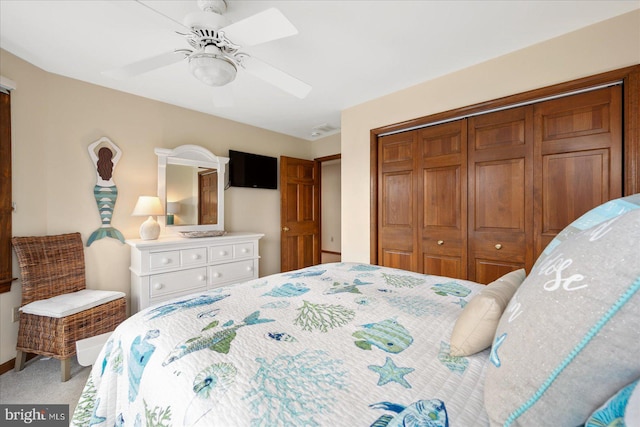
(192, 195)
(191, 188)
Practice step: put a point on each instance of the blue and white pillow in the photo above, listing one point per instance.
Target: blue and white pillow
(614, 411)
(570, 337)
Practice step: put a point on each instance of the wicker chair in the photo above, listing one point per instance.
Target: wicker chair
(53, 266)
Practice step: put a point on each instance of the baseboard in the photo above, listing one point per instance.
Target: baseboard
(9, 364)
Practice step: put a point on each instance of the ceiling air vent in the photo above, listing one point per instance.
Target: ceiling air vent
(322, 129)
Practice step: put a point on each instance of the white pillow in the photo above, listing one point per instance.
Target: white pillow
(477, 324)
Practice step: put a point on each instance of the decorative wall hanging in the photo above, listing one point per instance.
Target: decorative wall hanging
(105, 155)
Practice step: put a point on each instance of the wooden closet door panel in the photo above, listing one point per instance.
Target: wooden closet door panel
(443, 214)
(397, 209)
(578, 156)
(500, 193)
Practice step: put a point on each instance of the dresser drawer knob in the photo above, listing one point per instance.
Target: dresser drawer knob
(245, 250)
(223, 253)
(166, 261)
(498, 246)
(202, 278)
(216, 274)
(249, 268)
(440, 242)
(158, 286)
(195, 256)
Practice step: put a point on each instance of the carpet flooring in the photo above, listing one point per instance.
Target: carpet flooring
(39, 383)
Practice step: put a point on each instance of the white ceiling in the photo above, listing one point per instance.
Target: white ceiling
(349, 51)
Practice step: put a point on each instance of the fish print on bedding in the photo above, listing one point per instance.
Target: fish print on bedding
(340, 344)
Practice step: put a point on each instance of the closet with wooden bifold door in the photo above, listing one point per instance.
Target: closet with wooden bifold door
(478, 197)
(500, 192)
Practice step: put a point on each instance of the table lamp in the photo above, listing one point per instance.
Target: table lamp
(148, 205)
(172, 209)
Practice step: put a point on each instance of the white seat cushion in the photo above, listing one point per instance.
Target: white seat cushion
(72, 303)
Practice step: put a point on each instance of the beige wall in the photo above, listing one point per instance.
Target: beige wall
(327, 146)
(598, 48)
(54, 119)
(331, 206)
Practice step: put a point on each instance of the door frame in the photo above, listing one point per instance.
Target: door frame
(319, 161)
(6, 202)
(630, 78)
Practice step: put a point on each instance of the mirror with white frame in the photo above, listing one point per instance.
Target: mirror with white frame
(191, 182)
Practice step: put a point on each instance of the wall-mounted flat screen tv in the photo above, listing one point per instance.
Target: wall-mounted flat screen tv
(252, 170)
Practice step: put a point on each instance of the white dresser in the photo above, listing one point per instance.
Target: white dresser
(174, 266)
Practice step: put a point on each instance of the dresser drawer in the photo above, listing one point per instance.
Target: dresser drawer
(193, 257)
(182, 282)
(230, 273)
(164, 260)
(221, 253)
(243, 250)
(172, 266)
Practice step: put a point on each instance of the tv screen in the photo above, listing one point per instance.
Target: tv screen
(252, 170)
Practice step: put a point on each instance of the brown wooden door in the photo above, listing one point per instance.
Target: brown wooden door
(443, 199)
(208, 197)
(500, 190)
(299, 213)
(578, 158)
(398, 163)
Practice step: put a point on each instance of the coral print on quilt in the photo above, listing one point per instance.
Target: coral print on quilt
(340, 344)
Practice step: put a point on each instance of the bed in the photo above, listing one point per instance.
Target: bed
(351, 344)
(334, 344)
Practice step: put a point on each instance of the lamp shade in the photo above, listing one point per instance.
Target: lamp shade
(148, 205)
(173, 208)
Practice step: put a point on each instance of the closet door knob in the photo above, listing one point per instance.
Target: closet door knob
(285, 228)
(440, 242)
(498, 246)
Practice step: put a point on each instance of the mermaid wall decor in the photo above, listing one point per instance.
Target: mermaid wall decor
(105, 155)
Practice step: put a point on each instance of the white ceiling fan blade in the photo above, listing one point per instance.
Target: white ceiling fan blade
(177, 25)
(278, 78)
(144, 65)
(223, 96)
(260, 28)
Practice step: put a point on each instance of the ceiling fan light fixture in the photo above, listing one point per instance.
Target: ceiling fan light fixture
(216, 6)
(212, 69)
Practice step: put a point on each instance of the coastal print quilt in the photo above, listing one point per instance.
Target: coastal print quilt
(341, 344)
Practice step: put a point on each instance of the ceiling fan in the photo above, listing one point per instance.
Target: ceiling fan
(215, 57)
